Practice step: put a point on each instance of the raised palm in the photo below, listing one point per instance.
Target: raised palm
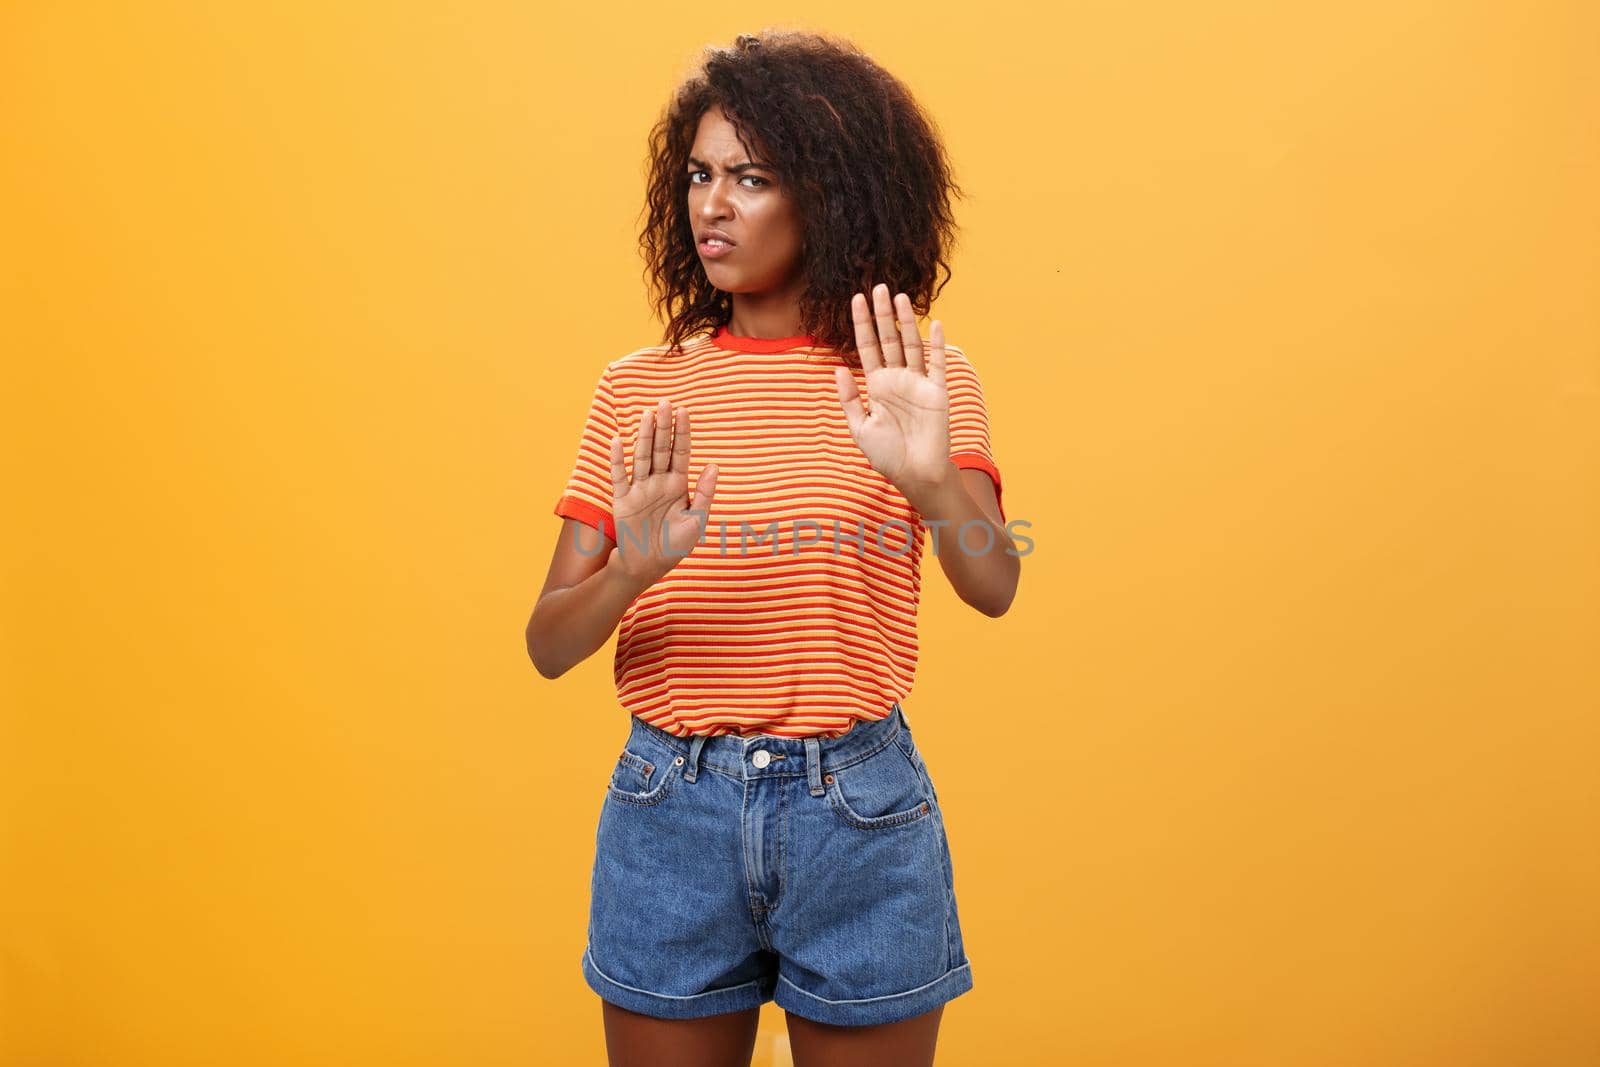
(906, 434)
(654, 500)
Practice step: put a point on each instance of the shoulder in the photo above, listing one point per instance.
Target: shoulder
(955, 357)
(958, 366)
(655, 357)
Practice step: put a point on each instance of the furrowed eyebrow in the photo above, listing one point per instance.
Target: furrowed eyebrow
(735, 169)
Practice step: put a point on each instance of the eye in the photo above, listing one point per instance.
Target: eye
(693, 174)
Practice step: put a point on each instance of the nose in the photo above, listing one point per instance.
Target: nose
(714, 206)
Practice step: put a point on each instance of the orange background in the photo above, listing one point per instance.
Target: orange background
(1287, 319)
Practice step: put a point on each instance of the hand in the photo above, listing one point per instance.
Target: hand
(655, 497)
(906, 435)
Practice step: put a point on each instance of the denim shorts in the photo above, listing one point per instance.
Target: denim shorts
(812, 871)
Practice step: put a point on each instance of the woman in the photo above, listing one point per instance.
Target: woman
(769, 830)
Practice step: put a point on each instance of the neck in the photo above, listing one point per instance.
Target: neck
(771, 314)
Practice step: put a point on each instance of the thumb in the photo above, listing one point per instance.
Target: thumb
(849, 397)
(704, 487)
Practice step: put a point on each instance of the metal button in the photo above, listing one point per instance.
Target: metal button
(761, 757)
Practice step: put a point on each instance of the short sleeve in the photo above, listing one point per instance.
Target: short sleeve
(587, 495)
(969, 419)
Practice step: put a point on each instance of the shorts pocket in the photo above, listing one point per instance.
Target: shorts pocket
(909, 745)
(640, 779)
(886, 789)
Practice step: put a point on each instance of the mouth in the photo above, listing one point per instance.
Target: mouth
(714, 247)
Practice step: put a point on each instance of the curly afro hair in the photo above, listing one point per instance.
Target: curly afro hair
(863, 163)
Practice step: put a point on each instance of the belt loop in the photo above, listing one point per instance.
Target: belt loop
(695, 745)
(814, 765)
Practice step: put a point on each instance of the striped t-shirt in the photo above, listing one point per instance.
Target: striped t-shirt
(810, 638)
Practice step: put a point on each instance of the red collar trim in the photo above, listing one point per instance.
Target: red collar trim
(723, 339)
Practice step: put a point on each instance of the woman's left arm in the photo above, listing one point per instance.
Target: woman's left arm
(906, 438)
(982, 564)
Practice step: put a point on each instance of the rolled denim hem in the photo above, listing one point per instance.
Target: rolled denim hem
(750, 994)
(871, 1011)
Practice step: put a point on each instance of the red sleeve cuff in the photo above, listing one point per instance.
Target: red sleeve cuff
(569, 507)
(978, 461)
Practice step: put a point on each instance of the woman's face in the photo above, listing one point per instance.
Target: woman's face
(729, 191)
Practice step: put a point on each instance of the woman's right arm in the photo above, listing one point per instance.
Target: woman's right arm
(581, 603)
(588, 589)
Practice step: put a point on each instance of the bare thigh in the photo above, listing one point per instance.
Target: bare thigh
(907, 1043)
(635, 1040)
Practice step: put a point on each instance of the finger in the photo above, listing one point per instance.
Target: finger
(661, 460)
(680, 443)
(619, 472)
(910, 335)
(936, 353)
(866, 335)
(704, 487)
(849, 398)
(641, 447)
(888, 332)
